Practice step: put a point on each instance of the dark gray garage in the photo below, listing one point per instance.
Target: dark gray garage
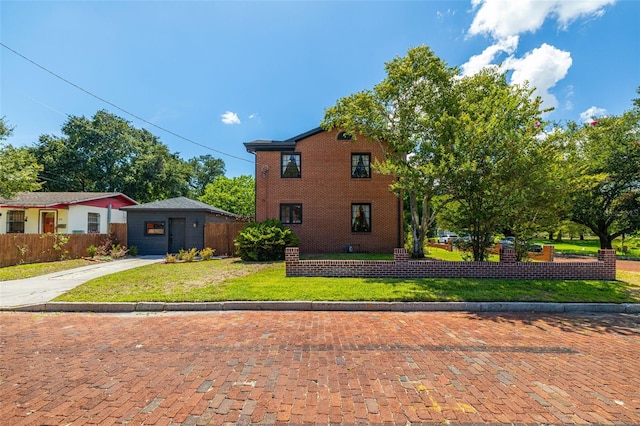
(166, 226)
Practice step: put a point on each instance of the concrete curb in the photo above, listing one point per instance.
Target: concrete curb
(530, 307)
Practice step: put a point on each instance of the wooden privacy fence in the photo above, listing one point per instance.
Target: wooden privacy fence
(220, 236)
(32, 248)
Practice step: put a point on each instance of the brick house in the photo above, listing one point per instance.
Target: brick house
(321, 185)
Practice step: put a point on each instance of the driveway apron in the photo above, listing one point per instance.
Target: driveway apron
(43, 288)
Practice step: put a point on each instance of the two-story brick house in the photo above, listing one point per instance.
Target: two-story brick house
(321, 185)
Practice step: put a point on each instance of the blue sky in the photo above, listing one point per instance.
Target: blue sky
(223, 73)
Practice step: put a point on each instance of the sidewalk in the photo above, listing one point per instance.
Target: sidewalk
(42, 289)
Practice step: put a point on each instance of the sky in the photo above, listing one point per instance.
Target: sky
(207, 76)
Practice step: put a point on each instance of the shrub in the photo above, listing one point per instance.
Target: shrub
(207, 253)
(117, 251)
(92, 250)
(59, 244)
(170, 258)
(133, 251)
(187, 255)
(263, 241)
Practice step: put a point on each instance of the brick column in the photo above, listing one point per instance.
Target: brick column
(507, 255)
(548, 253)
(608, 257)
(291, 254)
(400, 255)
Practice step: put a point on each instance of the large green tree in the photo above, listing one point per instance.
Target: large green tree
(106, 153)
(235, 195)
(408, 112)
(204, 170)
(18, 167)
(500, 173)
(606, 184)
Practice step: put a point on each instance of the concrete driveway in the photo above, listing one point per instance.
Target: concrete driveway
(44, 288)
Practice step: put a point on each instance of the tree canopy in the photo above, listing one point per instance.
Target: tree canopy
(468, 143)
(499, 171)
(18, 167)
(408, 112)
(106, 153)
(605, 155)
(235, 195)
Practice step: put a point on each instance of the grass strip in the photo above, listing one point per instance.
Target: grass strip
(29, 270)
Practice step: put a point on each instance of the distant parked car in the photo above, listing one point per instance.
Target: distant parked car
(535, 248)
(446, 238)
(508, 242)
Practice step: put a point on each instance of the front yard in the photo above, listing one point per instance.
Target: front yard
(232, 279)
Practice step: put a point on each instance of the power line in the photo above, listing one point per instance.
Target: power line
(121, 109)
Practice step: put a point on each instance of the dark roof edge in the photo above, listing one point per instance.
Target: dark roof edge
(287, 145)
(180, 209)
(269, 146)
(306, 134)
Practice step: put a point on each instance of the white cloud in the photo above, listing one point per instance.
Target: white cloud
(252, 116)
(503, 18)
(542, 67)
(477, 62)
(593, 112)
(230, 118)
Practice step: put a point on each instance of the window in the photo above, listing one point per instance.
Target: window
(93, 223)
(291, 213)
(344, 136)
(360, 165)
(15, 222)
(290, 165)
(360, 217)
(154, 228)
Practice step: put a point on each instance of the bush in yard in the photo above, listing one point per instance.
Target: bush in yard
(207, 253)
(187, 255)
(117, 251)
(261, 241)
(92, 250)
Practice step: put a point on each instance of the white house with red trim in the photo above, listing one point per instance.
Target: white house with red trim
(62, 212)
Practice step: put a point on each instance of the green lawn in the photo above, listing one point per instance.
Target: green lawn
(29, 270)
(590, 246)
(231, 279)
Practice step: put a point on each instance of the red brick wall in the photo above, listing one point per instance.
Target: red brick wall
(326, 192)
(402, 267)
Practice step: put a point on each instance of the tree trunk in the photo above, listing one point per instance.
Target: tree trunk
(605, 241)
(417, 231)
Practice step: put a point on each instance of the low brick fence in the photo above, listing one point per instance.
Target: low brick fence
(401, 267)
(445, 246)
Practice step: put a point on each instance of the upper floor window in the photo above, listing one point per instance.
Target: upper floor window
(290, 165)
(344, 136)
(93, 223)
(291, 213)
(360, 165)
(360, 217)
(15, 222)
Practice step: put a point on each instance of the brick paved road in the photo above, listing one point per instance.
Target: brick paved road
(296, 367)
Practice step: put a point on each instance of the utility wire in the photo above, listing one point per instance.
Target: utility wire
(121, 109)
